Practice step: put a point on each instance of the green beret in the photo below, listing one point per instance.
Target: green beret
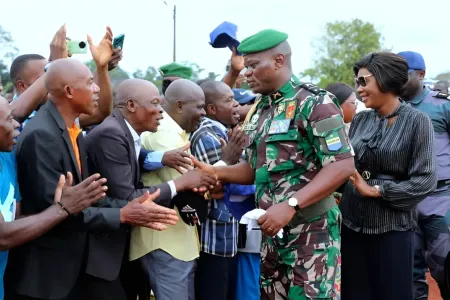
(262, 41)
(174, 69)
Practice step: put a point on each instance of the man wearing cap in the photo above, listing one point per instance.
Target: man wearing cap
(172, 72)
(432, 234)
(246, 100)
(298, 155)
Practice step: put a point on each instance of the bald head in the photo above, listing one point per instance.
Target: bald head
(64, 72)
(183, 90)
(214, 91)
(71, 84)
(185, 103)
(138, 101)
(135, 89)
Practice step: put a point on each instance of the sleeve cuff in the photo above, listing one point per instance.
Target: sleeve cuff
(220, 163)
(173, 189)
(153, 160)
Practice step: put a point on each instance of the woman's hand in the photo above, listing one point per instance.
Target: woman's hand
(363, 188)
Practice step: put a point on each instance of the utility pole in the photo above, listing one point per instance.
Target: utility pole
(174, 33)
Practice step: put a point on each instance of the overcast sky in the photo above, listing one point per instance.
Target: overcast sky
(148, 26)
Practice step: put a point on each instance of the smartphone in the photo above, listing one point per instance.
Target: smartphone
(77, 47)
(118, 41)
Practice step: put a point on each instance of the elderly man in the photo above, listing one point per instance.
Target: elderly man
(60, 265)
(114, 148)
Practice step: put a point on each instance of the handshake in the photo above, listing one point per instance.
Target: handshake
(141, 211)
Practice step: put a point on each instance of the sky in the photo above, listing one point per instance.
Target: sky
(148, 26)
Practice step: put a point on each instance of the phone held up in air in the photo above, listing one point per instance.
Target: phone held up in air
(77, 47)
(118, 41)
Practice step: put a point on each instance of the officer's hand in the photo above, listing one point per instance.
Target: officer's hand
(363, 188)
(276, 218)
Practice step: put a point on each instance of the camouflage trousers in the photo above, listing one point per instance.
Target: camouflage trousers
(302, 264)
(432, 243)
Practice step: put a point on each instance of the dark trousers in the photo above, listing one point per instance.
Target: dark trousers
(88, 288)
(377, 266)
(215, 277)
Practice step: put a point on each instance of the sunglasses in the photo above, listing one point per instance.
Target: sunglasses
(361, 80)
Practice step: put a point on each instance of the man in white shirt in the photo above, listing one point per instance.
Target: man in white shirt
(113, 149)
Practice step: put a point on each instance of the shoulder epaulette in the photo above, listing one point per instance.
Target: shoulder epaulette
(441, 95)
(311, 88)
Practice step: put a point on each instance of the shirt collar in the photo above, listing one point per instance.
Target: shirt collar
(134, 134)
(419, 98)
(218, 124)
(287, 88)
(175, 125)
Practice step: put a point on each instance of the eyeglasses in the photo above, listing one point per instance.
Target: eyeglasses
(361, 80)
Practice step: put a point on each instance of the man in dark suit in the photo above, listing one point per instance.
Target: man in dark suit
(57, 265)
(113, 149)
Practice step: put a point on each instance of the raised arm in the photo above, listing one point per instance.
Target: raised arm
(32, 97)
(102, 54)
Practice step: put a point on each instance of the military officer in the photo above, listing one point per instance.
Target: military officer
(432, 237)
(298, 155)
(172, 72)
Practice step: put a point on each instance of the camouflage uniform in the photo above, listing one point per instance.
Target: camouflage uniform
(294, 133)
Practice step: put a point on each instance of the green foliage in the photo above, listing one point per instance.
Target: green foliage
(343, 44)
(7, 53)
(151, 74)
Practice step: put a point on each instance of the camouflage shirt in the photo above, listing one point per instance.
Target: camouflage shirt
(293, 133)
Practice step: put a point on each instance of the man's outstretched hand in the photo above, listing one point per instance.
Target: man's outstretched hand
(178, 159)
(143, 212)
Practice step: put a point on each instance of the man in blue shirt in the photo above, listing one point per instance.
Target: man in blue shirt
(16, 232)
(432, 240)
(216, 268)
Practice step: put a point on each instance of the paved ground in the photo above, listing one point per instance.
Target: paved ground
(434, 290)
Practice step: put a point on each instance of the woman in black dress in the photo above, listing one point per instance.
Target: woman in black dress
(395, 160)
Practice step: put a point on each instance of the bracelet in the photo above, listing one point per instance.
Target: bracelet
(64, 208)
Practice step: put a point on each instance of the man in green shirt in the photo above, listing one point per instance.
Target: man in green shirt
(298, 154)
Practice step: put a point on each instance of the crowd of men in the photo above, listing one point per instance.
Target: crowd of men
(120, 192)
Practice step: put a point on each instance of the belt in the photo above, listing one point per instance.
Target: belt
(366, 175)
(312, 211)
(443, 183)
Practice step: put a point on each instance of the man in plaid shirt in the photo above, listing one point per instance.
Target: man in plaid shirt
(216, 267)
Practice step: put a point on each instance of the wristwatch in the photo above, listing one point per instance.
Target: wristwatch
(294, 203)
(377, 187)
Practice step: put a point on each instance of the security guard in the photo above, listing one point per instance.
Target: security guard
(432, 240)
(172, 72)
(298, 155)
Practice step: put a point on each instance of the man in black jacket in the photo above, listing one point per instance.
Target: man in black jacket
(113, 149)
(58, 265)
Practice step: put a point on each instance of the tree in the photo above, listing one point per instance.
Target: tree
(343, 44)
(212, 76)
(443, 76)
(117, 75)
(196, 70)
(151, 74)
(7, 54)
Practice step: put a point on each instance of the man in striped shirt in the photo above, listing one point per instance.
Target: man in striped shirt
(218, 240)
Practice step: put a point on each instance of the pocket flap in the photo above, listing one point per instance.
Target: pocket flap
(291, 135)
